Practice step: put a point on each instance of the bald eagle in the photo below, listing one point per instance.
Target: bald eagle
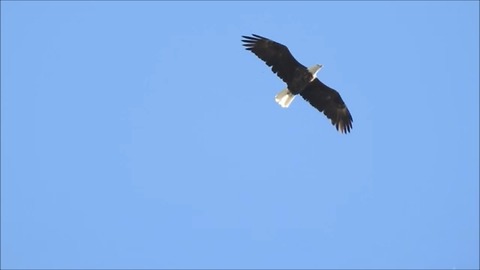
(300, 80)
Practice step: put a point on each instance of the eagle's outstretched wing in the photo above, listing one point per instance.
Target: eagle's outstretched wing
(275, 55)
(329, 101)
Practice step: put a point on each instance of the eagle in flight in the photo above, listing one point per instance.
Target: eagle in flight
(300, 80)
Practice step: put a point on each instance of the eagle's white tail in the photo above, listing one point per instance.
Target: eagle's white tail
(284, 98)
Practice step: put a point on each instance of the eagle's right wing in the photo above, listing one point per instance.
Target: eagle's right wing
(275, 55)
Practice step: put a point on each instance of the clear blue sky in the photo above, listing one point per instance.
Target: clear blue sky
(143, 135)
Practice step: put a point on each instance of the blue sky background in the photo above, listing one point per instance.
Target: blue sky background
(143, 135)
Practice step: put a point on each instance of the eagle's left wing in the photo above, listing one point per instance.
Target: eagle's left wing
(329, 101)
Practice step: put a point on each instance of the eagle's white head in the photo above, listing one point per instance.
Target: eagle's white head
(314, 69)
